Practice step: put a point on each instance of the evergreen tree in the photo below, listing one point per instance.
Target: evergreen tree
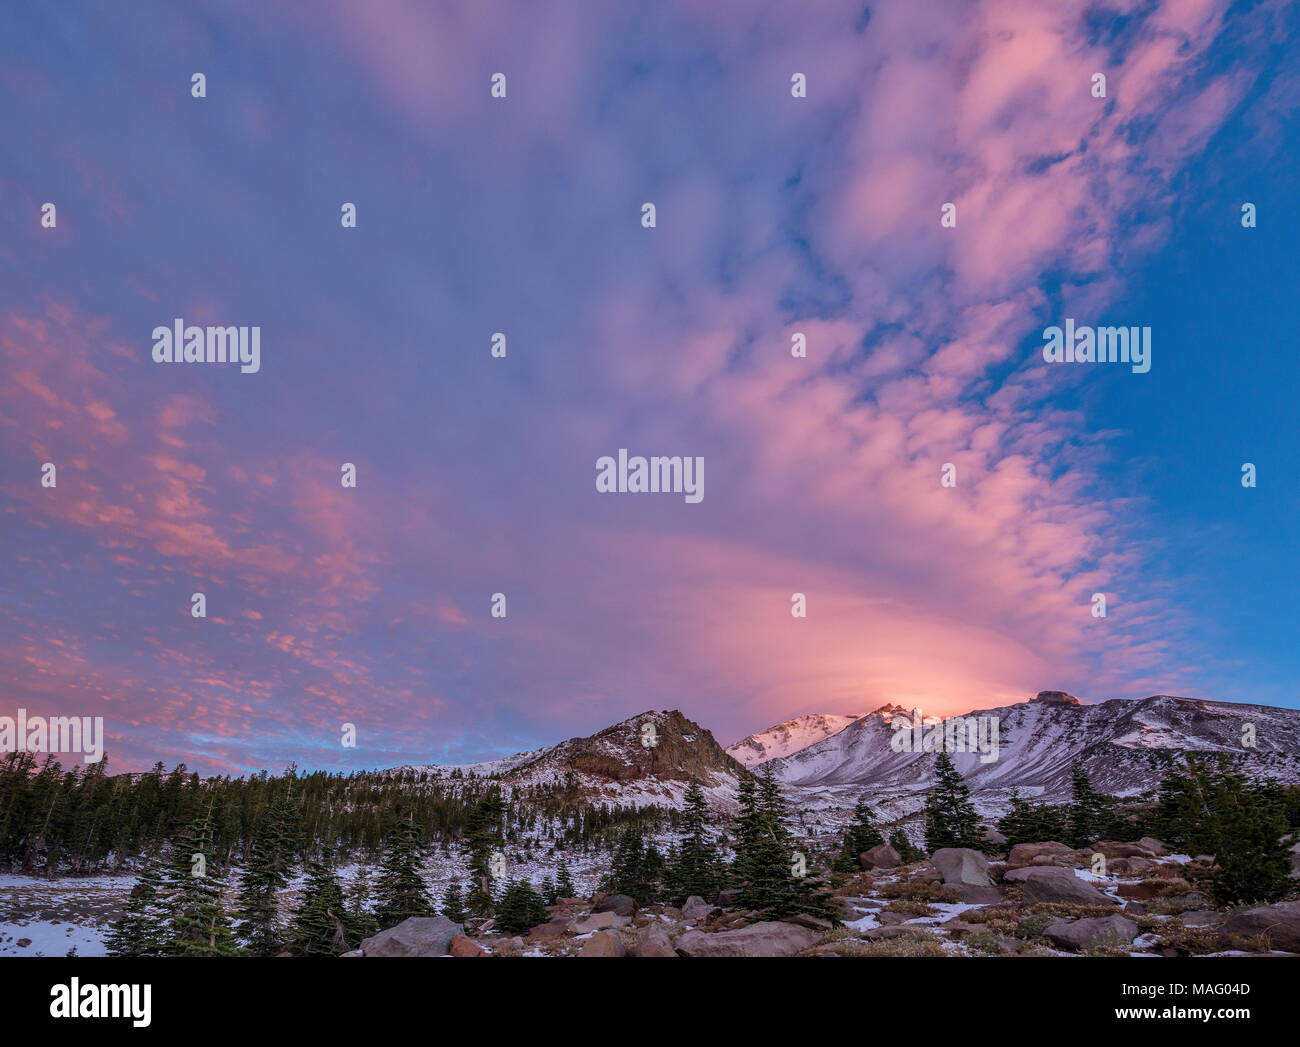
(548, 891)
(453, 904)
(564, 881)
(521, 908)
(140, 930)
(320, 926)
(950, 819)
(860, 836)
(361, 922)
(1091, 814)
(401, 892)
(763, 850)
(1028, 822)
(695, 868)
(274, 851)
(906, 849)
(483, 838)
(196, 890)
(632, 872)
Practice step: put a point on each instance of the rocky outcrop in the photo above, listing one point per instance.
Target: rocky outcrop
(882, 856)
(1280, 922)
(1050, 884)
(758, 939)
(962, 865)
(603, 943)
(1078, 934)
(418, 936)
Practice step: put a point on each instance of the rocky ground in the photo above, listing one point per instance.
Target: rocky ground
(1045, 899)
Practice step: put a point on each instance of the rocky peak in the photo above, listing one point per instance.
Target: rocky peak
(1055, 698)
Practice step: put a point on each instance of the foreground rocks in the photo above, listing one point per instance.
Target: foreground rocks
(1078, 934)
(962, 865)
(1280, 922)
(770, 938)
(1052, 884)
(418, 936)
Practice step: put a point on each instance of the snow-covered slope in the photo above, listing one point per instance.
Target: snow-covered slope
(789, 737)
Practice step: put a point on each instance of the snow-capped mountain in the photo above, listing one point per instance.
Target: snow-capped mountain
(788, 737)
(1125, 745)
(647, 759)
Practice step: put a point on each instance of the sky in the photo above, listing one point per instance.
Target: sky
(775, 215)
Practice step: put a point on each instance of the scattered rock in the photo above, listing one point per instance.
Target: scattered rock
(619, 904)
(1281, 922)
(813, 923)
(597, 921)
(653, 941)
(697, 910)
(603, 943)
(417, 936)
(462, 946)
(354, 952)
(556, 928)
(1113, 849)
(1153, 845)
(1024, 853)
(1132, 867)
(1202, 918)
(509, 947)
(992, 835)
(770, 938)
(962, 865)
(971, 895)
(1061, 885)
(1076, 934)
(882, 856)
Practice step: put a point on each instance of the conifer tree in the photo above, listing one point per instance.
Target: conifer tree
(453, 904)
(696, 867)
(196, 891)
(1090, 814)
(320, 926)
(950, 819)
(564, 881)
(140, 930)
(521, 908)
(483, 837)
(400, 891)
(360, 920)
(908, 851)
(274, 849)
(548, 891)
(632, 873)
(763, 850)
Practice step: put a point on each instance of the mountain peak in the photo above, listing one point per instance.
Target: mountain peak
(1055, 698)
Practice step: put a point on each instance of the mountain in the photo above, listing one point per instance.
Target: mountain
(788, 737)
(647, 759)
(1125, 745)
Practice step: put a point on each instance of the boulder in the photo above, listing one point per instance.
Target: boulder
(597, 921)
(1024, 853)
(882, 856)
(992, 835)
(1051, 884)
(354, 952)
(697, 910)
(1153, 845)
(509, 947)
(653, 941)
(813, 923)
(1132, 867)
(462, 946)
(1202, 918)
(1114, 849)
(417, 936)
(962, 865)
(771, 938)
(969, 894)
(603, 943)
(619, 904)
(1281, 922)
(556, 928)
(1076, 934)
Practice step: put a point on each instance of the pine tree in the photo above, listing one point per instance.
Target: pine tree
(695, 868)
(483, 838)
(861, 835)
(1090, 813)
(631, 874)
(908, 851)
(521, 908)
(453, 904)
(763, 850)
(548, 891)
(196, 890)
(274, 851)
(361, 922)
(319, 926)
(1028, 822)
(401, 892)
(950, 819)
(140, 930)
(564, 881)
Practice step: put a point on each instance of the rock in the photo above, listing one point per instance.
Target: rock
(1061, 885)
(896, 931)
(1055, 698)
(1113, 849)
(462, 946)
(1135, 907)
(417, 936)
(971, 895)
(556, 928)
(882, 856)
(1018, 875)
(1147, 890)
(771, 938)
(603, 943)
(813, 923)
(697, 910)
(354, 952)
(1202, 918)
(1076, 934)
(509, 947)
(1024, 853)
(960, 928)
(992, 835)
(1153, 845)
(729, 897)
(597, 921)
(962, 865)
(653, 941)
(1010, 946)
(1204, 859)
(22, 943)
(1281, 922)
(619, 904)
(1132, 867)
